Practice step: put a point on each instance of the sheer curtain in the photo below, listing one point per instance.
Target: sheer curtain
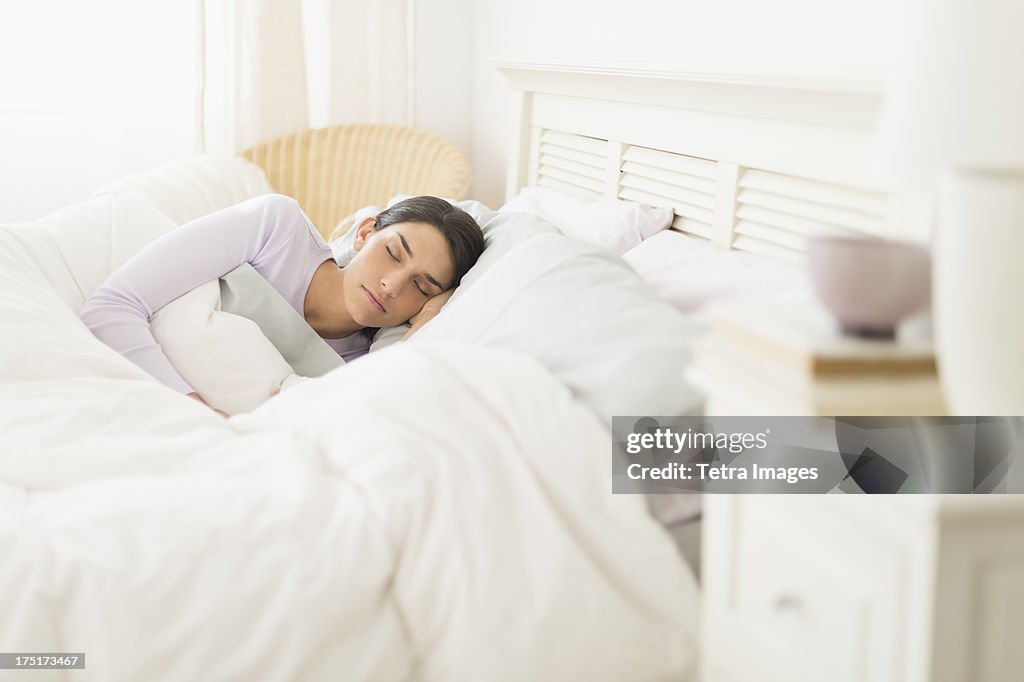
(359, 61)
(93, 91)
(89, 92)
(271, 67)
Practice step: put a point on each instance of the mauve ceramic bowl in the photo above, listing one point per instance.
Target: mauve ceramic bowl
(870, 285)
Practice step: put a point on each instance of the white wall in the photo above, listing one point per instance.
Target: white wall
(813, 38)
(444, 69)
(90, 91)
(111, 88)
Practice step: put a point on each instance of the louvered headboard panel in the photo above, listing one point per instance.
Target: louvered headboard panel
(748, 164)
(572, 163)
(685, 183)
(776, 214)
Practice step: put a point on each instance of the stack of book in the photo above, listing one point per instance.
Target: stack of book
(790, 358)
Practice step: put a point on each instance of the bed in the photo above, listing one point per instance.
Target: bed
(439, 510)
(349, 526)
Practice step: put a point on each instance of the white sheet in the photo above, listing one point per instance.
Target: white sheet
(434, 511)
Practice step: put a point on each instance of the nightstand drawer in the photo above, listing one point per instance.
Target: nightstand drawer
(823, 597)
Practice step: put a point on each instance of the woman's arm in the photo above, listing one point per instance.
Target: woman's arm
(202, 250)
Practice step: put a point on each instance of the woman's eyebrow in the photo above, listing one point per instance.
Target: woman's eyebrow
(405, 245)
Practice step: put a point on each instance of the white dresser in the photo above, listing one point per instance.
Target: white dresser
(835, 588)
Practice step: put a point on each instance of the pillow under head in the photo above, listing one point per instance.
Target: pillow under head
(580, 310)
(501, 234)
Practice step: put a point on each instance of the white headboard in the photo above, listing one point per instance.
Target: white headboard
(748, 163)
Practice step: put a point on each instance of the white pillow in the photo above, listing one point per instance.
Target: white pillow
(185, 189)
(225, 357)
(582, 312)
(694, 275)
(615, 224)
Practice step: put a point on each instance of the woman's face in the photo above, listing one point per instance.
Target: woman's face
(395, 270)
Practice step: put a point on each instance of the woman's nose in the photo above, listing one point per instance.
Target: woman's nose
(391, 285)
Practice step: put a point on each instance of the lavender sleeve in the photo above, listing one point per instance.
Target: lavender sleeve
(118, 312)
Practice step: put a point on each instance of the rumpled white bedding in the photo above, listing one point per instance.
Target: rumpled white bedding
(434, 511)
(226, 358)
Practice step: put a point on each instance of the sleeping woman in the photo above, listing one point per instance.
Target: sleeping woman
(408, 260)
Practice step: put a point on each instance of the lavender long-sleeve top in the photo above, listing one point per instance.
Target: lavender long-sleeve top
(269, 232)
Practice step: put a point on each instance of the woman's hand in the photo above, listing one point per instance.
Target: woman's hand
(431, 308)
(196, 396)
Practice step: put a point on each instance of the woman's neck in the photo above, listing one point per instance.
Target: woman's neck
(324, 305)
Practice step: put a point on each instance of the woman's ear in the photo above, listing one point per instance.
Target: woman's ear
(363, 232)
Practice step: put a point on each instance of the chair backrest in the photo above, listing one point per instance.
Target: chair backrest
(333, 172)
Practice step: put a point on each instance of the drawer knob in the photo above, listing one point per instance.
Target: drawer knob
(789, 604)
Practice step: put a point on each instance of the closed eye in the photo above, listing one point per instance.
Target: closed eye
(387, 247)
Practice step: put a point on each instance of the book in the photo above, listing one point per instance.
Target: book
(805, 338)
(730, 375)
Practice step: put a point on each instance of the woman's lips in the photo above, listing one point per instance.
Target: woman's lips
(374, 300)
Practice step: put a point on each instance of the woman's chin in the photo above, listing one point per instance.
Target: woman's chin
(368, 320)
(373, 318)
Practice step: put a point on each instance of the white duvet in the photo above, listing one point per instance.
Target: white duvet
(432, 511)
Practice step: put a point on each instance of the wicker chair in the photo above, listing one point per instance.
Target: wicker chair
(333, 172)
